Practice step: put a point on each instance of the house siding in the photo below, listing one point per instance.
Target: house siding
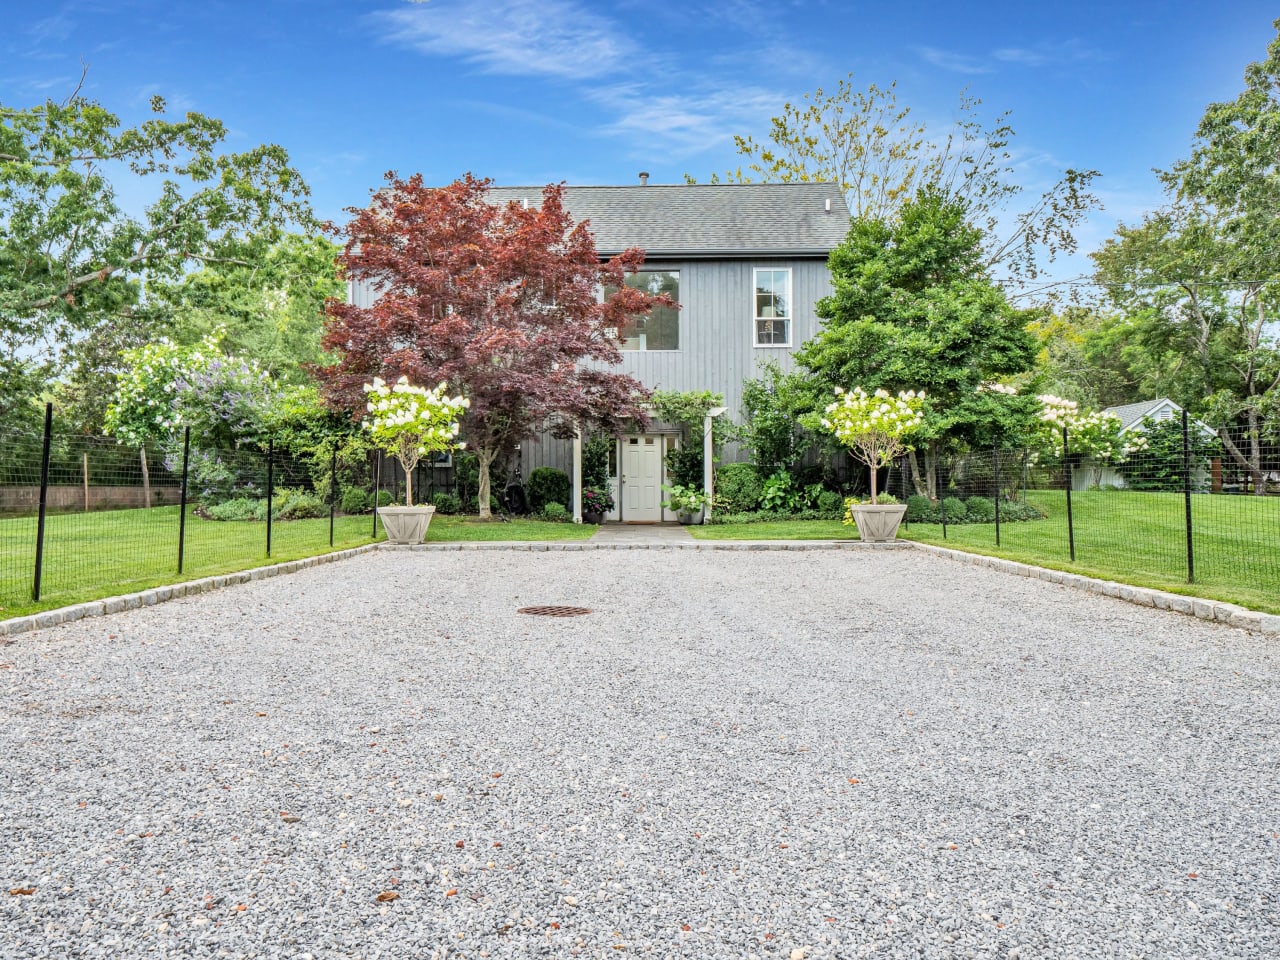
(717, 337)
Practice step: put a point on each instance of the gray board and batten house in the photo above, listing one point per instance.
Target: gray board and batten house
(746, 262)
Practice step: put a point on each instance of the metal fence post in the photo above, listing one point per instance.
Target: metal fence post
(182, 512)
(995, 479)
(1186, 496)
(271, 489)
(44, 500)
(942, 503)
(333, 490)
(1066, 462)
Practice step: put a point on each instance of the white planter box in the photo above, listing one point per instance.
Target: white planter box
(406, 524)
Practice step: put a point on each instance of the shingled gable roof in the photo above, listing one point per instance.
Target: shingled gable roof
(724, 220)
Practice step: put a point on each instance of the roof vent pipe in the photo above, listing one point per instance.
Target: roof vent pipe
(828, 205)
(644, 178)
(524, 202)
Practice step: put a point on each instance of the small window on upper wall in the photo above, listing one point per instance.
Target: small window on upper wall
(659, 329)
(773, 307)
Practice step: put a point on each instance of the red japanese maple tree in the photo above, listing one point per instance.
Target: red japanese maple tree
(498, 301)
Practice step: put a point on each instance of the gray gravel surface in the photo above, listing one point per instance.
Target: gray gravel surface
(737, 754)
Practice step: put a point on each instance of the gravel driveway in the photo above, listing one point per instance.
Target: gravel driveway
(768, 754)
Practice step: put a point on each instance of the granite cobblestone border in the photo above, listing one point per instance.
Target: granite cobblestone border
(1215, 610)
(1203, 609)
(149, 598)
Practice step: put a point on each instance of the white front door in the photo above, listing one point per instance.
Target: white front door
(641, 479)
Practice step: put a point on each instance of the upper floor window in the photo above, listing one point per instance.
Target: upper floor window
(773, 307)
(659, 329)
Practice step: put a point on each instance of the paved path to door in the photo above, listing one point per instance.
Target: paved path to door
(736, 753)
(642, 533)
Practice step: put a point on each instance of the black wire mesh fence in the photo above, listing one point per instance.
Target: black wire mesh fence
(83, 515)
(1176, 505)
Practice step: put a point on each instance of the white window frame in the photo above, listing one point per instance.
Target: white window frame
(756, 318)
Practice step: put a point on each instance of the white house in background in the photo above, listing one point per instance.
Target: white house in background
(746, 262)
(1157, 411)
(1134, 418)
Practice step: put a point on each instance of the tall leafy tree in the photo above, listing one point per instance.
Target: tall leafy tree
(70, 255)
(266, 302)
(1199, 279)
(913, 308)
(500, 301)
(882, 157)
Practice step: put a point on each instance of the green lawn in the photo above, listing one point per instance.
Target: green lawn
(783, 530)
(1131, 537)
(454, 529)
(92, 555)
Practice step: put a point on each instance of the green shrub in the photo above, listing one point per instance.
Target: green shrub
(355, 500)
(241, 508)
(385, 498)
(920, 510)
(684, 466)
(980, 510)
(446, 503)
(830, 504)
(780, 495)
(737, 487)
(295, 504)
(1016, 510)
(955, 510)
(595, 460)
(556, 512)
(547, 485)
(768, 516)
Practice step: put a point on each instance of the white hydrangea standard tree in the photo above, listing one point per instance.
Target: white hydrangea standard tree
(412, 422)
(875, 427)
(1098, 438)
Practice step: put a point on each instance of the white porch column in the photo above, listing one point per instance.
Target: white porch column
(708, 457)
(577, 475)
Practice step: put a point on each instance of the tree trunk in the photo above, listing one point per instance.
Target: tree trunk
(931, 459)
(485, 456)
(1252, 464)
(408, 485)
(921, 488)
(146, 478)
(1255, 454)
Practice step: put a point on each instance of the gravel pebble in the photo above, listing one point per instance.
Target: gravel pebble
(738, 754)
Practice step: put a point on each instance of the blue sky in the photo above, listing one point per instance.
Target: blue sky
(531, 91)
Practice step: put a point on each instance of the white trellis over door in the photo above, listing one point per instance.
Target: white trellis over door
(641, 479)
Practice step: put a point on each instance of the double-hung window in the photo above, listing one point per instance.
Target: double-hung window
(773, 306)
(659, 329)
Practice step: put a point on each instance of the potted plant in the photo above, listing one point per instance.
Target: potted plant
(687, 503)
(409, 423)
(596, 502)
(876, 428)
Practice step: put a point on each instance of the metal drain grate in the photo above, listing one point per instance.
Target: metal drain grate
(554, 611)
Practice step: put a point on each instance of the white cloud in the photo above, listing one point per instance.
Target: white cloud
(551, 38)
(956, 62)
(56, 28)
(1036, 55)
(684, 124)
(1030, 58)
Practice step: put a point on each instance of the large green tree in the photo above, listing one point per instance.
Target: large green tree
(914, 308)
(266, 302)
(70, 255)
(882, 157)
(1199, 280)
